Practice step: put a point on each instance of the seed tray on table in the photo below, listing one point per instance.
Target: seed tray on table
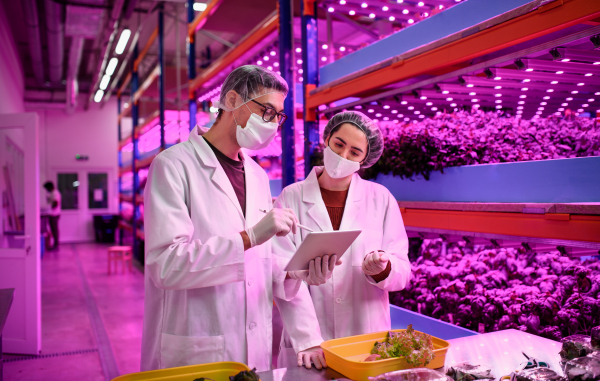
(346, 355)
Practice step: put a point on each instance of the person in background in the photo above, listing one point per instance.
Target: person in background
(53, 201)
(354, 300)
(211, 276)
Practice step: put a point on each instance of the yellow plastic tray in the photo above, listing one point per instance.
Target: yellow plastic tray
(347, 355)
(218, 371)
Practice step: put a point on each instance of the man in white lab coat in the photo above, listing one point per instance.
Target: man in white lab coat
(211, 277)
(355, 300)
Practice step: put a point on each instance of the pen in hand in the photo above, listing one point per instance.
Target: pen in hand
(300, 226)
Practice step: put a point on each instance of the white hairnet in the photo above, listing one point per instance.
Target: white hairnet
(366, 125)
(250, 82)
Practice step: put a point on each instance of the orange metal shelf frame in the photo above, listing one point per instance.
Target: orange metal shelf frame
(268, 26)
(201, 18)
(554, 226)
(549, 18)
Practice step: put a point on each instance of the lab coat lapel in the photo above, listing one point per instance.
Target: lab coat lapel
(353, 204)
(218, 177)
(312, 195)
(254, 190)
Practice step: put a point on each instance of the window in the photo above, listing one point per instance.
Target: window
(97, 190)
(68, 184)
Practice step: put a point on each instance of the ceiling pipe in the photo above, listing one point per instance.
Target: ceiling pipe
(130, 8)
(35, 44)
(56, 36)
(72, 73)
(107, 42)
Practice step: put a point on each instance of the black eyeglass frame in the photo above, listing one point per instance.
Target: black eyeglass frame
(280, 114)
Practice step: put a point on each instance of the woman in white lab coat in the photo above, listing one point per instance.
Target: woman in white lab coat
(355, 300)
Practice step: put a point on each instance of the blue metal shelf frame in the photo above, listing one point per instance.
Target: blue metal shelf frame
(286, 64)
(191, 51)
(161, 78)
(136, 153)
(310, 76)
(120, 136)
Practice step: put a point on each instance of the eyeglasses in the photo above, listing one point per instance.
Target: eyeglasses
(270, 113)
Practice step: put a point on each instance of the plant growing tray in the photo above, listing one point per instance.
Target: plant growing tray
(347, 355)
(218, 371)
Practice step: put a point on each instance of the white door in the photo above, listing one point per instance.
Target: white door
(20, 231)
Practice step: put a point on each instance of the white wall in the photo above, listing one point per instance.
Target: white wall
(11, 73)
(92, 133)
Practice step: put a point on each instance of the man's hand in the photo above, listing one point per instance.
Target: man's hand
(319, 270)
(375, 262)
(277, 222)
(314, 355)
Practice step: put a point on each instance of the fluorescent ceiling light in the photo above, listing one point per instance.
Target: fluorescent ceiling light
(98, 96)
(123, 41)
(199, 7)
(105, 81)
(112, 65)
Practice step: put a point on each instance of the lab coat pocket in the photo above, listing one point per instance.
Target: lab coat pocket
(190, 350)
(366, 242)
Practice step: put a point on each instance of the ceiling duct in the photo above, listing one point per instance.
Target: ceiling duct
(35, 44)
(56, 35)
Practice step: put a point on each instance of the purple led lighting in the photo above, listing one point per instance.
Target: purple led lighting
(400, 115)
(452, 104)
(400, 1)
(449, 99)
(526, 80)
(370, 110)
(470, 85)
(351, 13)
(421, 116)
(259, 62)
(417, 112)
(272, 52)
(441, 6)
(528, 69)
(497, 78)
(597, 93)
(569, 99)
(323, 59)
(386, 118)
(550, 90)
(364, 5)
(520, 108)
(560, 72)
(498, 101)
(266, 58)
(426, 14)
(540, 108)
(474, 100)
(330, 9)
(298, 50)
(394, 111)
(299, 62)
(300, 71)
(410, 21)
(372, 15)
(524, 89)
(324, 46)
(588, 74)
(564, 104)
(429, 104)
(580, 84)
(392, 18)
(359, 107)
(270, 67)
(580, 110)
(434, 109)
(585, 105)
(522, 96)
(521, 102)
(420, 3)
(276, 64)
(565, 60)
(403, 102)
(546, 97)
(574, 92)
(378, 115)
(423, 97)
(497, 95)
(385, 8)
(411, 108)
(553, 82)
(498, 107)
(406, 119)
(405, 11)
(591, 100)
(543, 103)
(472, 93)
(561, 109)
(342, 2)
(342, 49)
(497, 87)
(300, 79)
(386, 107)
(445, 92)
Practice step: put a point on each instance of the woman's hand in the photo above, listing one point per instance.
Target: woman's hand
(314, 355)
(375, 262)
(319, 270)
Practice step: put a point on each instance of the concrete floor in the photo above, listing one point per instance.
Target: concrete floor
(69, 347)
(71, 330)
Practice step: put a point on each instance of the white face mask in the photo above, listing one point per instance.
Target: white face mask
(257, 134)
(336, 166)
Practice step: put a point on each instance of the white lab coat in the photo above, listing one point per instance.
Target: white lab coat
(350, 303)
(206, 300)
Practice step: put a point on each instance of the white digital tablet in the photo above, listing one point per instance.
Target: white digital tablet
(318, 244)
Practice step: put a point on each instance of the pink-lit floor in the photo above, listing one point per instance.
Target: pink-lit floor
(66, 323)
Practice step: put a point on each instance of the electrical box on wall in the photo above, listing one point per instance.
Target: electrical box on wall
(82, 157)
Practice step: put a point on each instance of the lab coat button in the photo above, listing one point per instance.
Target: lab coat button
(252, 326)
(338, 300)
(249, 283)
